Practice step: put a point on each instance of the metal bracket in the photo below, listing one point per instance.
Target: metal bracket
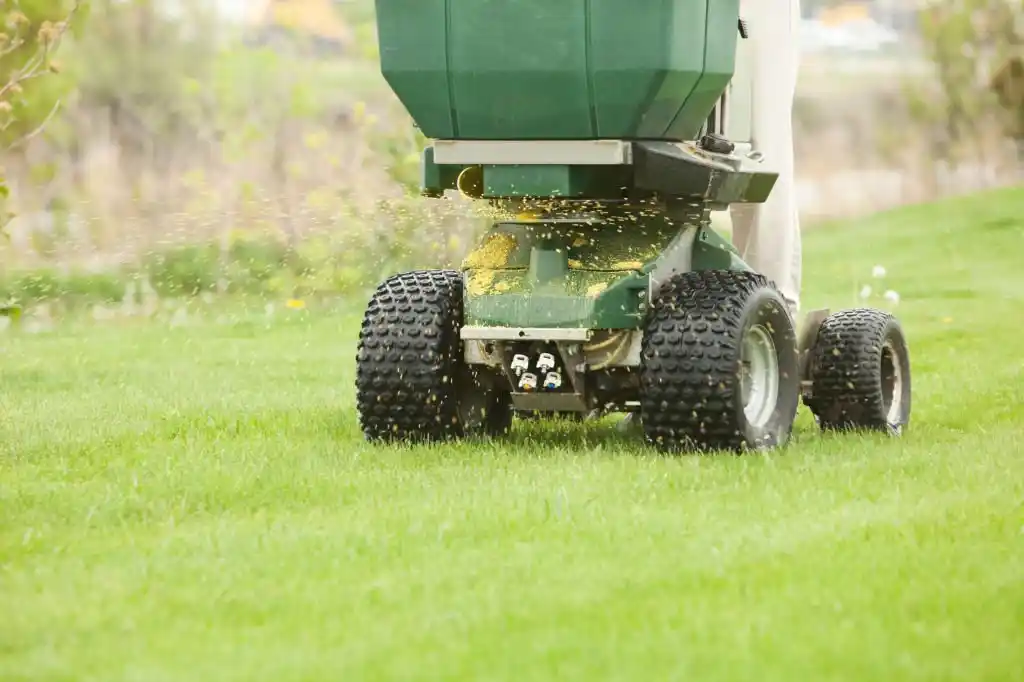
(805, 343)
(549, 402)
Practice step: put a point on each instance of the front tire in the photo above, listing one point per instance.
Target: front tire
(719, 364)
(412, 383)
(860, 373)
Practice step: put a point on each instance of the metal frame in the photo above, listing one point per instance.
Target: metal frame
(472, 333)
(489, 351)
(677, 257)
(732, 116)
(740, 97)
(533, 152)
(808, 335)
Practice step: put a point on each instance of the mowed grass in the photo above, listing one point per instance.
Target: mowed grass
(197, 504)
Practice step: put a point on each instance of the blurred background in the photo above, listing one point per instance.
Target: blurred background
(200, 147)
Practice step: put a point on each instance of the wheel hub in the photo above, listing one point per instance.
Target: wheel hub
(759, 375)
(892, 384)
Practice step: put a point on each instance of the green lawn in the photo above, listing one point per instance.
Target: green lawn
(196, 504)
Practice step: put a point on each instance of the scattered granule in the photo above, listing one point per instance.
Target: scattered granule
(493, 253)
(627, 265)
(479, 282)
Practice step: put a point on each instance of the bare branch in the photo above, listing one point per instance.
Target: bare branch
(38, 129)
(12, 47)
(36, 65)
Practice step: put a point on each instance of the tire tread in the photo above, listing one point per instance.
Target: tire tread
(407, 358)
(846, 370)
(689, 354)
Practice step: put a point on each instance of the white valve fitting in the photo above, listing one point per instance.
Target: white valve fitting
(545, 362)
(528, 382)
(520, 363)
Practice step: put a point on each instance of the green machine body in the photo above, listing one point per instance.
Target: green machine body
(583, 115)
(605, 133)
(558, 69)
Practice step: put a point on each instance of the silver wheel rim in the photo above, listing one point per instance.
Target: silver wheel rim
(759, 376)
(892, 384)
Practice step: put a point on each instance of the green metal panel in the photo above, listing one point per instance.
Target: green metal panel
(711, 251)
(548, 275)
(531, 181)
(594, 276)
(519, 68)
(648, 63)
(555, 181)
(719, 63)
(571, 304)
(413, 41)
(557, 69)
(435, 179)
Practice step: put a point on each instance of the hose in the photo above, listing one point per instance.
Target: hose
(607, 342)
(616, 354)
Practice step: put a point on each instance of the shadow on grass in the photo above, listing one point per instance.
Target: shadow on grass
(331, 432)
(603, 434)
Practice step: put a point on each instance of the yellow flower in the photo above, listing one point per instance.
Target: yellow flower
(295, 304)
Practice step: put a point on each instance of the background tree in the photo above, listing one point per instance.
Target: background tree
(30, 91)
(974, 48)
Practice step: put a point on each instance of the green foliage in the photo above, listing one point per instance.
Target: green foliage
(967, 42)
(71, 289)
(188, 270)
(138, 62)
(248, 266)
(30, 33)
(169, 79)
(243, 135)
(400, 153)
(346, 263)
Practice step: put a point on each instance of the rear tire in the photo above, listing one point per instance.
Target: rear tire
(412, 383)
(860, 373)
(719, 364)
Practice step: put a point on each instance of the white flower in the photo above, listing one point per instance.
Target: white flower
(865, 292)
(892, 297)
(878, 272)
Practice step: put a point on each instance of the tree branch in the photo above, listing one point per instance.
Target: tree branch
(38, 129)
(34, 66)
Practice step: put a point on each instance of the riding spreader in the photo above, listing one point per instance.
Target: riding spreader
(603, 134)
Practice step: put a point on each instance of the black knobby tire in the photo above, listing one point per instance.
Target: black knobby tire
(411, 381)
(860, 372)
(691, 395)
